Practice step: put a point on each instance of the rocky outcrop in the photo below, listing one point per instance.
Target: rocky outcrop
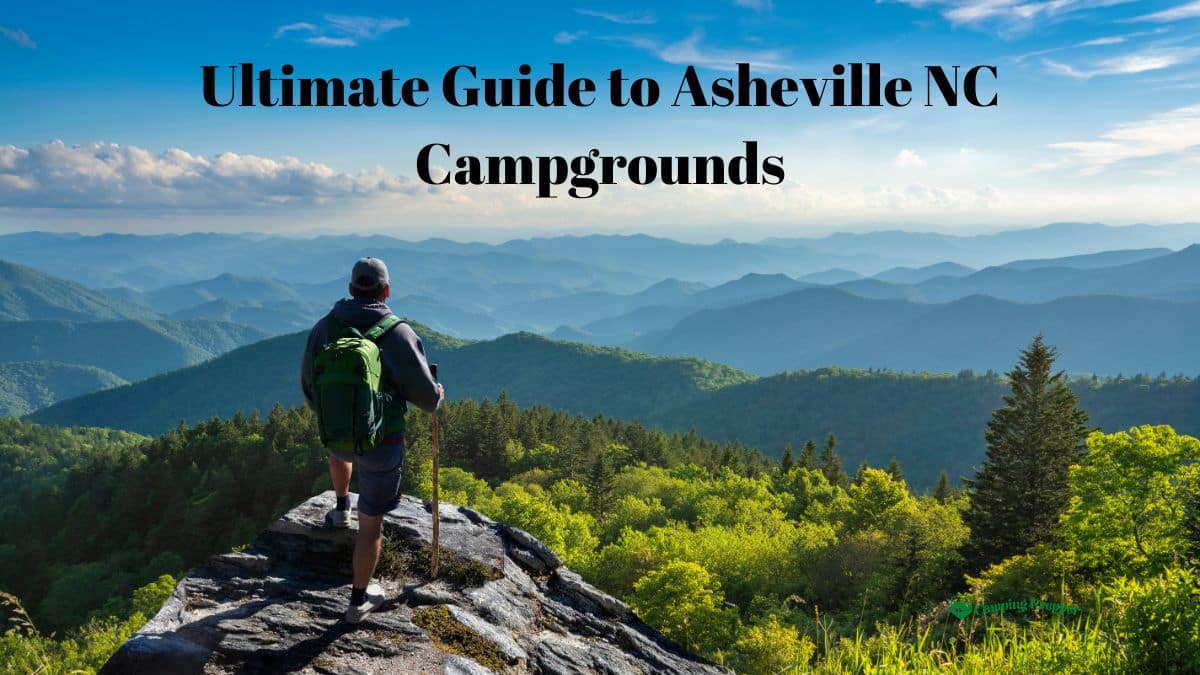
(503, 602)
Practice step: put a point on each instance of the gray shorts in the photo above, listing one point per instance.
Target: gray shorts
(378, 472)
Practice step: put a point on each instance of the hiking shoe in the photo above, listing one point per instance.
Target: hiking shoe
(337, 518)
(372, 602)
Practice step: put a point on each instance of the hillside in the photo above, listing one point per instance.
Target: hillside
(532, 369)
(131, 349)
(1095, 334)
(928, 422)
(779, 333)
(26, 293)
(1174, 275)
(819, 327)
(26, 386)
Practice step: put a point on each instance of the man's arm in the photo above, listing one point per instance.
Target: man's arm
(305, 367)
(404, 359)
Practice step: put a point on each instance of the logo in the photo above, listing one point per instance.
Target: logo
(962, 608)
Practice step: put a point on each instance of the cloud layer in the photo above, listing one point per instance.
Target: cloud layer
(341, 31)
(17, 37)
(1166, 135)
(107, 175)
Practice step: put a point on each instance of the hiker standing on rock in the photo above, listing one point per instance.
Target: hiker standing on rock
(362, 364)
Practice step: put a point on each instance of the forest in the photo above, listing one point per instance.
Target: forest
(799, 564)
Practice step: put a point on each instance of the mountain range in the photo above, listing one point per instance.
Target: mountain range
(929, 422)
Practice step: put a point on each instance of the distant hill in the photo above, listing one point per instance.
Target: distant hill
(1096, 334)
(131, 349)
(273, 318)
(832, 276)
(532, 369)
(819, 327)
(1091, 260)
(915, 275)
(1174, 276)
(26, 293)
(26, 386)
(780, 333)
(582, 308)
(228, 287)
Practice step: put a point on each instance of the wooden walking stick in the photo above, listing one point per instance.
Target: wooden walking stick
(437, 514)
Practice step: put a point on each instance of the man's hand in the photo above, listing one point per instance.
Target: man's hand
(441, 393)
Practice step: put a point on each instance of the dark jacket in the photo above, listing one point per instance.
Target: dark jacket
(406, 375)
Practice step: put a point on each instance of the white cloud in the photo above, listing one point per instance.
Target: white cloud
(1162, 136)
(627, 18)
(1008, 15)
(342, 31)
(1189, 10)
(17, 37)
(907, 159)
(756, 5)
(1126, 64)
(692, 51)
(105, 175)
(563, 37)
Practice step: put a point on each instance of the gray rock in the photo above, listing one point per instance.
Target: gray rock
(277, 607)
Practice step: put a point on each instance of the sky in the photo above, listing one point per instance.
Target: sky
(103, 126)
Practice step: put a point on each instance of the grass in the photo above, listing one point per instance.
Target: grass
(451, 636)
(405, 560)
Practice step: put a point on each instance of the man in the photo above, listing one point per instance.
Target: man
(405, 377)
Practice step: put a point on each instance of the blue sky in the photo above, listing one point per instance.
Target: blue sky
(102, 125)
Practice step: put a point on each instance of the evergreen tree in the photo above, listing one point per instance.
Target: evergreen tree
(785, 464)
(808, 455)
(831, 464)
(1022, 487)
(942, 491)
(599, 483)
(862, 471)
(894, 470)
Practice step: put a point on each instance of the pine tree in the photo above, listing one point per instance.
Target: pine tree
(808, 455)
(862, 471)
(786, 463)
(600, 485)
(1022, 487)
(893, 469)
(942, 491)
(831, 464)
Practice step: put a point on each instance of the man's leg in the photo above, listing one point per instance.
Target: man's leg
(339, 473)
(366, 548)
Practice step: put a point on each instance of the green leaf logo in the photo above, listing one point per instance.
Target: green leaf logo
(960, 609)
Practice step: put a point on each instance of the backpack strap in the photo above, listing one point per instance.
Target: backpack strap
(337, 330)
(385, 324)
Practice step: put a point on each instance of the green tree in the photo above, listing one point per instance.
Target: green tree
(808, 455)
(772, 647)
(685, 602)
(786, 462)
(831, 464)
(942, 491)
(1023, 486)
(1125, 515)
(894, 470)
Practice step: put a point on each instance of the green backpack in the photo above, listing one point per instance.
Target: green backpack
(346, 374)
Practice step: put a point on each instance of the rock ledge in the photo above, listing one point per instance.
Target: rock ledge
(503, 602)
